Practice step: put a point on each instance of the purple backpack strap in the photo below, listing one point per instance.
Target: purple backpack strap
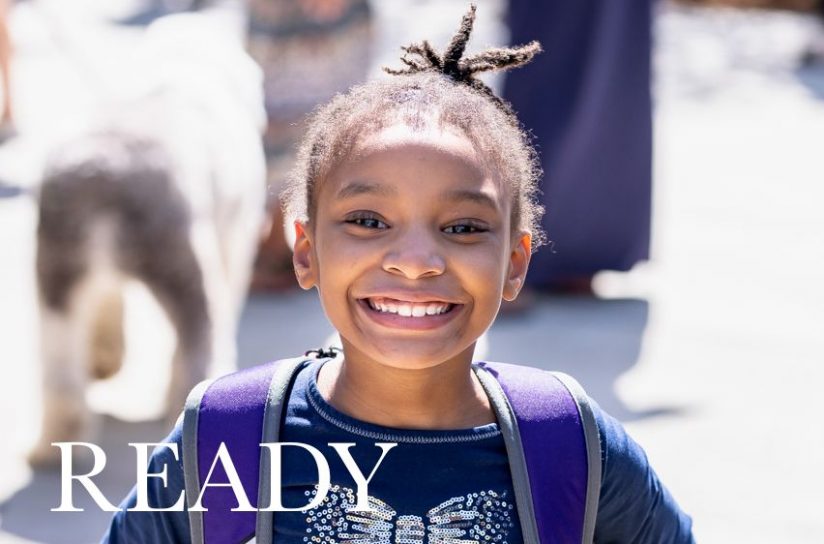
(554, 450)
(548, 427)
(231, 410)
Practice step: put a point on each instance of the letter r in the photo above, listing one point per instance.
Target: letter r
(66, 477)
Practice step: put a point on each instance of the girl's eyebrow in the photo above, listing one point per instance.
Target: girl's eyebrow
(356, 188)
(477, 197)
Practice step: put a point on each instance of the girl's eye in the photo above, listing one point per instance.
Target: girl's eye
(367, 222)
(464, 228)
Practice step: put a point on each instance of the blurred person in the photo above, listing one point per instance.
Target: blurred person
(415, 215)
(150, 10)
(6, 117)
(309, 51)
(814, 54)
(166, 189)
(587, 102)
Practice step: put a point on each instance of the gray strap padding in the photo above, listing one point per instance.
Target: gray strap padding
(190, 468)
(593, 442)
(272, 415)
(515, 453)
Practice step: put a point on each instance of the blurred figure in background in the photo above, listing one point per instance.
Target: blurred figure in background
(309, 51)
(814, 55)
(6, 119)
(587, 101)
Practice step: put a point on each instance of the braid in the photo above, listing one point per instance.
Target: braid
(422, 57)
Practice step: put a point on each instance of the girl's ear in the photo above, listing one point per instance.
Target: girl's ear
(303, 257)
(518, 264)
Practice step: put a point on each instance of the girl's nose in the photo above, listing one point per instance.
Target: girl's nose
(415, 257)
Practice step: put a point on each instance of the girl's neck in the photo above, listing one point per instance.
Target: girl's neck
(446, 396)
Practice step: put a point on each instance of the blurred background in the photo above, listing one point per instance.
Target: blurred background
(682, 146)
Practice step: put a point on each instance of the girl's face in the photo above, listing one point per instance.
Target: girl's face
(411, 248)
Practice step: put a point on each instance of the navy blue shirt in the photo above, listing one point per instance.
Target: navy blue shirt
(451, 483)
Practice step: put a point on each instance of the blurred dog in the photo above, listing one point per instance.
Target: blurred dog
(169, 190)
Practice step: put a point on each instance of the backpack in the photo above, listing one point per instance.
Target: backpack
(548, 426)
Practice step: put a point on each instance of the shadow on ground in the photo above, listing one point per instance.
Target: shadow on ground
(8, 190)
(812, 77)
(275, 326)
(593, 340)
(25, 512)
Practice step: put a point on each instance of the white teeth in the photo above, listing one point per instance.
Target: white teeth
(435, 309)
(409, 309)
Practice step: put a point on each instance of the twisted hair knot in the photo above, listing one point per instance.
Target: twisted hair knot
(422, 57)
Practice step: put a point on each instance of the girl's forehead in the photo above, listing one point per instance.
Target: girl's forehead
(431, 165)
(401, 140)
(440, 138)
(426, 164)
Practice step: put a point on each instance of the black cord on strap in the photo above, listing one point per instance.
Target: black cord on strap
(325, 353)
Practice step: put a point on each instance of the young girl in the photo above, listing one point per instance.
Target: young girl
(415, 211)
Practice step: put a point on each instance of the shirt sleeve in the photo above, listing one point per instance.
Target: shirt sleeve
(634, 506)
(152, 527)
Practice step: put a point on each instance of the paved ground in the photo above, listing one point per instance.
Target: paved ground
(712, 354)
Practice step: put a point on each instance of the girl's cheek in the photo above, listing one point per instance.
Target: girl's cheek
(487, 257)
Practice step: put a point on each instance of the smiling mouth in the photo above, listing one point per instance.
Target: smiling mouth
(405, 308)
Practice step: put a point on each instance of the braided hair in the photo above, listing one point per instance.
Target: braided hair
(463, 70)
(437, 88)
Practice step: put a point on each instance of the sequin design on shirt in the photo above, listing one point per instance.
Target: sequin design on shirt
(485, 516)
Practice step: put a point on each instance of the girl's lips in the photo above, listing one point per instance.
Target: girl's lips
(410, 322)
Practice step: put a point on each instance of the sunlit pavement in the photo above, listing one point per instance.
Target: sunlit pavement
(712, 354)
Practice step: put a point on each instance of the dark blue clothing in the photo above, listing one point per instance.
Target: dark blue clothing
(587, 101)
(420, 486)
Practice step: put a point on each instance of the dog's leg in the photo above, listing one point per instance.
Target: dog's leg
(63, 284)
(172, 272)
(223, 306)
(65, 334)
